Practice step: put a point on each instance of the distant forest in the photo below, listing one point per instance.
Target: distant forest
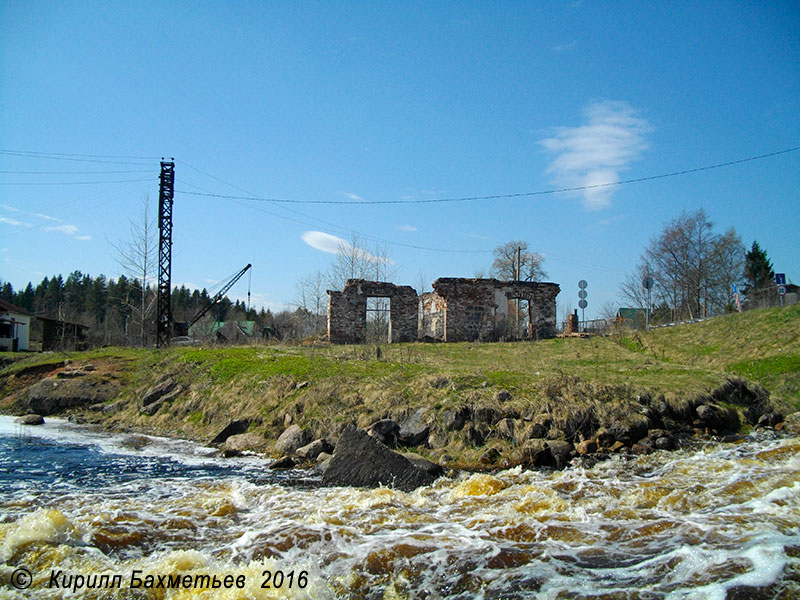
(117, 311)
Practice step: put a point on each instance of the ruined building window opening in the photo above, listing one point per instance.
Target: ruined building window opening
(379, 319)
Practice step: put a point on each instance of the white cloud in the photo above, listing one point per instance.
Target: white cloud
(353, 196)
(406, 228)
(46, 217)
(9, 221)
(336, 245)
(595, 153)
(67, 229)
(83, 238)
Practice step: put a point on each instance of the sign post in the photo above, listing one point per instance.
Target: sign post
(647, 284)
(780, 281)
(582, 303)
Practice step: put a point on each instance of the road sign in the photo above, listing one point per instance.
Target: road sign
(780, 278)
(648, 282)
(582, 284)
(582, 303)
(781, 290)
(582, 294)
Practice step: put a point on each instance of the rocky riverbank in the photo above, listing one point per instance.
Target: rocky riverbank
(301, 422)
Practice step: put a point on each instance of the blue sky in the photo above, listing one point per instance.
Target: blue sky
(394, 101)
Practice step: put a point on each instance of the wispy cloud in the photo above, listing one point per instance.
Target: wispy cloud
(406, 228)
(336, 245)
(67, 229)
(14, 222)
(566, 47)
(46, 217)
(352, 196)
(595, 153)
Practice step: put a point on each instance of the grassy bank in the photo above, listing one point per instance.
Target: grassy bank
(321, 387)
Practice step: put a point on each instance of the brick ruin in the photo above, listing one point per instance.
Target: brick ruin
(347, 311)
(458, 309)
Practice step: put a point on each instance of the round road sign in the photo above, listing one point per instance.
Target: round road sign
(648, 282)
(582, 303)
(582, 284)
(582, 294)
(781, 290)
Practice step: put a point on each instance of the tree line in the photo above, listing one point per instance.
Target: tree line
(119, 312)
(695, 271)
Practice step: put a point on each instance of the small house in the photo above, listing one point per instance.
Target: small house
(15, 328)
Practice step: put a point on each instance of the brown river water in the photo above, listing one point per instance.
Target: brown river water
(712, 521)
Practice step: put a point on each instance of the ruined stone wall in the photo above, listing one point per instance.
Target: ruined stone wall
(347, 311)
(477, 309)
(458, 309)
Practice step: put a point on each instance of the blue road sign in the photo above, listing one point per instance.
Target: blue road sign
(780, 278)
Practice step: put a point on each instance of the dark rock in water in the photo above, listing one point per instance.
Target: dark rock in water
(293, 438)
(285, 462)
(534, 453)
(423, 463)
(385, 431)
(233, 428)
(30, 420)
(361, 461)
(52, 395)
(605, 438)
(562, 452)
(643, 447)
(413, 431)
(665, 442)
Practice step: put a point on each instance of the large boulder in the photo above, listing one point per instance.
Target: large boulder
(242, 442)
(30, 420)
(293, 438)
(314, 449)
(52, 395)
(791, 424)
(413, 431)
(362, 461)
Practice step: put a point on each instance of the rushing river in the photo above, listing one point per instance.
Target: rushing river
(718, 521)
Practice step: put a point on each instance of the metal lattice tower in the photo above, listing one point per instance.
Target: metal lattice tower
(166, 192)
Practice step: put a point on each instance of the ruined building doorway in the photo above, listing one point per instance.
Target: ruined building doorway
(379, 320)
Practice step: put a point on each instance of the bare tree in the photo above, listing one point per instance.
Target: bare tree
(692, 267)
(311, 297)
(513, 261)
(137, 257)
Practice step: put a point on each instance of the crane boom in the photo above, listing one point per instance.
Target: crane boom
(219, 295)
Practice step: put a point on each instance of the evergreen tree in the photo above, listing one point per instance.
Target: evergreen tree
(759, 276)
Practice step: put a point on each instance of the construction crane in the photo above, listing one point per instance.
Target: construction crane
(182, 329)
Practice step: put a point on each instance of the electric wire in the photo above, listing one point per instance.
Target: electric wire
(107, 181)
(545, 192)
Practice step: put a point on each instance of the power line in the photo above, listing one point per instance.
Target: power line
(90, 158)
(546, 192)
(75, 172)
(73, 182)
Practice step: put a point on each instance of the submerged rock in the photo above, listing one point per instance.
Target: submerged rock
(362, 461)
(30, 420)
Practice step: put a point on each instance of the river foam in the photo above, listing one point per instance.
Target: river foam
(714, 521)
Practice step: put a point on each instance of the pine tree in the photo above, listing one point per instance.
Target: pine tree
(758, 275)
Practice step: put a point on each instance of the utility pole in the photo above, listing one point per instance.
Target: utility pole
(166, 192)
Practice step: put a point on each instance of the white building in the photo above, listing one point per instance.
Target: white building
(15, 328)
